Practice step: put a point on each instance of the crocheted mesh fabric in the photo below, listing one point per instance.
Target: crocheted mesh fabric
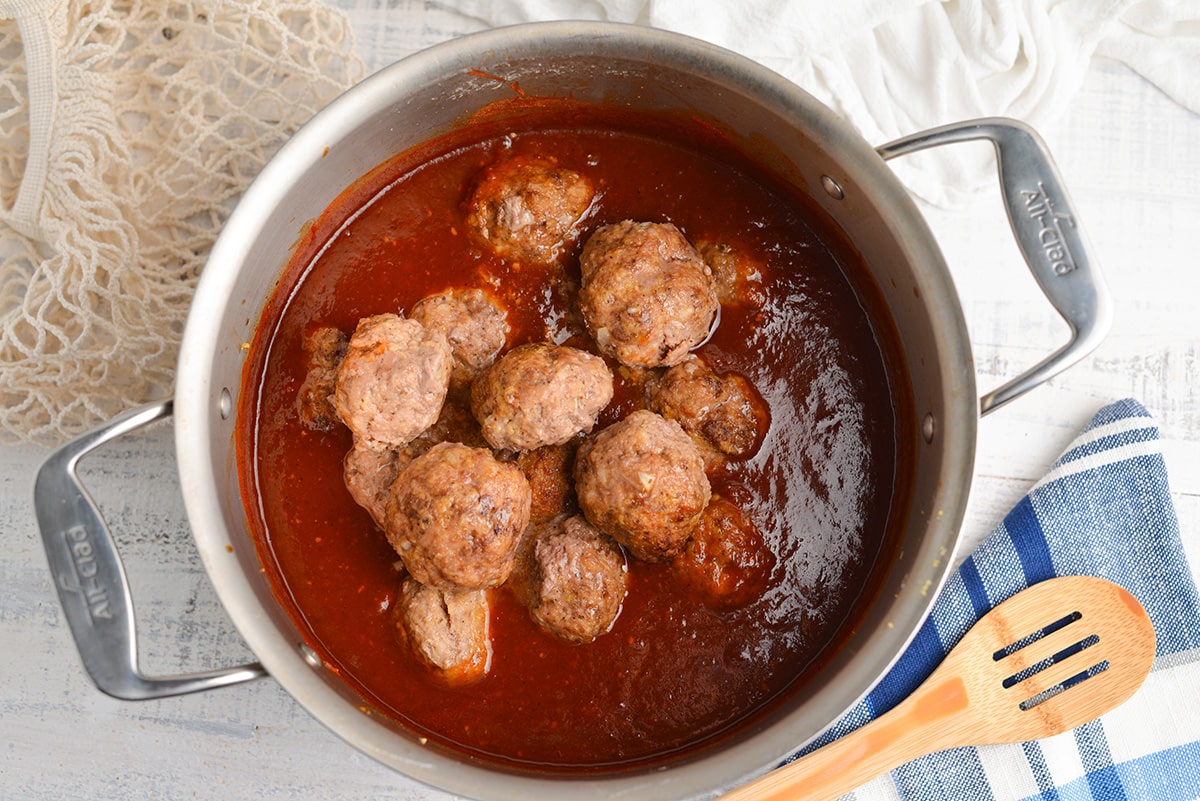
(128, 130)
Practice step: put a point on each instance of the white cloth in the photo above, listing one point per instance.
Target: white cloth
(894, 67)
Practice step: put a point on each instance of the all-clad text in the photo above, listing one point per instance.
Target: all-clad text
(87, 570)
(1050, 231)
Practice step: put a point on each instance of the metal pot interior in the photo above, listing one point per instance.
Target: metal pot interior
(424, 96)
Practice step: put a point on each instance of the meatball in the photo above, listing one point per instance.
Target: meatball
(455, 515)
(726, 560)
(527, 208)
(448, 631)
(722, 411)
(393, 380)
(454, 424)
(549, 472)
(324, 349)
(473, 323)
(642, 482)
(369, 474)
(579, 579)
(647, 297)
(540, 394)
(737, 275)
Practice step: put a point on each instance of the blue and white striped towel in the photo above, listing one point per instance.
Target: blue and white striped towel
(1103, 510)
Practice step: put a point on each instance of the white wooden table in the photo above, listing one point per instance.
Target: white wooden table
(1131, 159)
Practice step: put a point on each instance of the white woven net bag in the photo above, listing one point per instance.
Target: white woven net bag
(127, 132)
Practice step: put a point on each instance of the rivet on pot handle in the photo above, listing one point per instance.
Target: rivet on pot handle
(1046, 227)
(90, 578)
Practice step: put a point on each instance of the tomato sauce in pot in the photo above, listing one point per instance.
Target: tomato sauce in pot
(826, 487)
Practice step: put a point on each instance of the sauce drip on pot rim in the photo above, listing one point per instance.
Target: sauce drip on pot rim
(825, 488)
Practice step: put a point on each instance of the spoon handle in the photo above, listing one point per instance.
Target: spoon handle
(916, 727)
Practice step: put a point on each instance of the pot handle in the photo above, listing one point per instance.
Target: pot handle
(90, 578)
(1046, 227)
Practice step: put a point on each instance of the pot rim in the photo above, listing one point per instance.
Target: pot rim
(199, 402)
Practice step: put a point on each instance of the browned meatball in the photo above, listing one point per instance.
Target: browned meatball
(726, 560)
(455, 515)
(540, 394)
(549, 472)
(448, 631)
(324, 349)
(642, 482)
(738, 276)
(454, 424)
(392, 381)
(723, 411)
(369, 474)
(647, 297)
(579, 577)
(474, 324)
(526, 208)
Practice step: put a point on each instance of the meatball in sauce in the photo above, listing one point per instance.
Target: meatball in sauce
(455, 515)
(446, 630)
(540, 394)
(527, 208)
(474, 325)
(723, 412)
(549, 470)
(726, 560)
(393, 380)
(324, 349)
(578, 580)
(369, 473)
(737, 275)
(642, 482)
(647, 297)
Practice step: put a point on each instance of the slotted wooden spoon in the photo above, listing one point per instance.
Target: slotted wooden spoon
(1052, 657)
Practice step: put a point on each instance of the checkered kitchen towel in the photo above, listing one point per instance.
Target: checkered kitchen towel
(1103, 510)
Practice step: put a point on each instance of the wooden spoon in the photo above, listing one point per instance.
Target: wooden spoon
(1052, 657)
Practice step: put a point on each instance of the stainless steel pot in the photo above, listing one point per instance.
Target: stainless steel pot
(424, 96)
